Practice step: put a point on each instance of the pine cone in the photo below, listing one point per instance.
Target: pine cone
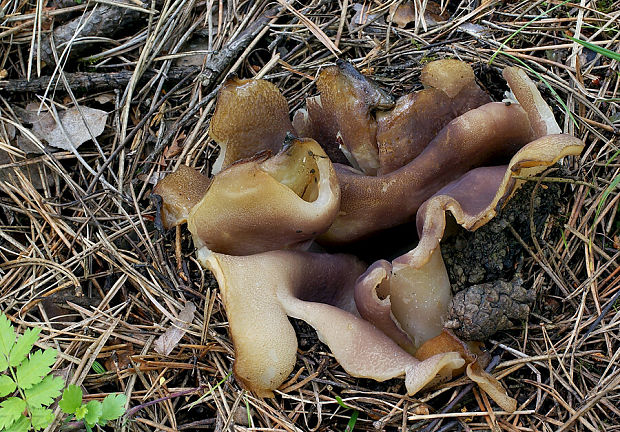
(478, 312)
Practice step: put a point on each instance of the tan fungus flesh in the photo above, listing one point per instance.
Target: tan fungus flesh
(414, 300)
(457, 80)
(250, 115)
(404, 132)
(259, 291)
(524, 89)
(263, 204)
(474, 198)
(409, 296)
(475, 359)
(302, 285)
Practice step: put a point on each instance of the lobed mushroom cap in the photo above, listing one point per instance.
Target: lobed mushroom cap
(404, 131)
(487, 135)
(407, 302)
(456, 78)
(524, 89)
(238, 127)
(267, 203)
(341, 116)
(474, 198)
(448, 75)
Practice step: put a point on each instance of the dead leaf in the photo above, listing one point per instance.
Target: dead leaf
(362, 17)
(72, 129)
(36, 173)
(105, 98)
(175, 148)
(405, 13)
(169, 340)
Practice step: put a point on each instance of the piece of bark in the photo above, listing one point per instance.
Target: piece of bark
(88, 82)
(104, 21)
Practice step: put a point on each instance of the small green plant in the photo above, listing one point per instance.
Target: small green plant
(94, 412)
(353, 418)
(25, 376)
(28, 388)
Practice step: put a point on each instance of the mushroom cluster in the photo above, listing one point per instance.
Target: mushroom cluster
(352, 163)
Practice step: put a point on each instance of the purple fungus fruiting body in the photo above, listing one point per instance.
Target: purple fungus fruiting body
(444, 148)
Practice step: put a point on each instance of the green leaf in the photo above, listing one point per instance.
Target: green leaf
(7, 385)
(71, 399)
(4, 364)
(352, 421)
(45, 392)
(113, 406)
(98, 368)
(7, 336)
(94, 413)
(80, 412)
(23, 346)
(597, 49)
(10, 410)
(32, 371)
(21, 425)
(41, 418)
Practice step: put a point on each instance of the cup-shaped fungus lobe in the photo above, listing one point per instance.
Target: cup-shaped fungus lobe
(403, 132)
(409, 297)
(525, 91)
(268, 203)
(259, 291)
(419, 276)
(474, 198)
(487, 135)
(341, 115)
(250, 115)
(406, 301)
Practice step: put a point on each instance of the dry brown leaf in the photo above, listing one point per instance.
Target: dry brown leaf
(169, 340)
(72, 129)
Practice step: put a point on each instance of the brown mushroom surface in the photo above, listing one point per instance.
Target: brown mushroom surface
(250, 116)
(487, 135)
(410, 296)
(524, 89)
(263, 203)
(180, 191)
(457, 80)
(341, 115)
(259, 204)
(267, 203)
(404, 132)
(472, 200)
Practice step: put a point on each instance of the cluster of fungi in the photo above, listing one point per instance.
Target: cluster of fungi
(350, 164)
